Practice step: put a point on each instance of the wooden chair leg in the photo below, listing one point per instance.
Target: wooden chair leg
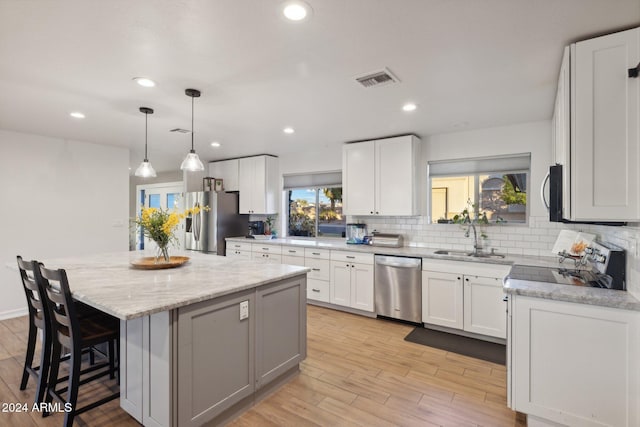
(45, 363)
(74, 383)
(112, 363)
(28, 360)
(56, 354)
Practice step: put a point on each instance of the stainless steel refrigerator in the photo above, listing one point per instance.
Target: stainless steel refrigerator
(207, 230)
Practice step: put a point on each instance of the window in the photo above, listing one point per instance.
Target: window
(495, 187)
(315, 205)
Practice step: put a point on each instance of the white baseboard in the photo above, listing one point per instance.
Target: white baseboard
(10, 314)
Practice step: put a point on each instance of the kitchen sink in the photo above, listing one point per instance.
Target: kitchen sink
(453, 252)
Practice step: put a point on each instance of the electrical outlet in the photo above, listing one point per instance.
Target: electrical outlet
(244, 310)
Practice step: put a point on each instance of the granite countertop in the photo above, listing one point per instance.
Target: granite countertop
(409, 251)
(578, 294)
(109, 283)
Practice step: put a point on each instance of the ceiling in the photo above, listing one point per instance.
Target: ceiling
(467, 64)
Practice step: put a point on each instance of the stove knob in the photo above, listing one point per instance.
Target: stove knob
(601, 258)
(588, 250)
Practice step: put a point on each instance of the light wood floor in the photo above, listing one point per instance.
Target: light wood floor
(359, 371)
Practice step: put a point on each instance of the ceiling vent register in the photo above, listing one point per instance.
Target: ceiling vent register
(377, 78)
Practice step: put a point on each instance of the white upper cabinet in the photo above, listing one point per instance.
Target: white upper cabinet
(602, 160)
(228, 171)
(380, 177)
(258, 185)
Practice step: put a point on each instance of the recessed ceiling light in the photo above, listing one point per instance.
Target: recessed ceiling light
(409, 107)
(296, 10)
(288, 130)
(77, 115)
(215, 144)
(144, 82)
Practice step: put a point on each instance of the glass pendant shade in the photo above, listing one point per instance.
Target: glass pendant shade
(145, 170)
(192, 163)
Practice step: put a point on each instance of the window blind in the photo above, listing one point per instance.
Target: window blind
(312, 180)
(511, 163)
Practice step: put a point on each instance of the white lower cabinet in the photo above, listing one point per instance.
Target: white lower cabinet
(442, 298)
(351, 281)
(574, 364)
(269, 253)
(318, 278)
(484, 308)
(239, 250)
(470, 299)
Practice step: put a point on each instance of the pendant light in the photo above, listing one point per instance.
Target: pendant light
(145, 169)
(192, 161)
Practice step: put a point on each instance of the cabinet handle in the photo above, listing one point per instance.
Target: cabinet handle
(236, 246)
(466, 280)
(633, 72)
(265, 249)
(315, 253)
(350, 257)
(459, 278)
(315, 269)
(292, 252)
(377, 213)
(371, 212)
(315, 290)
(505, 299)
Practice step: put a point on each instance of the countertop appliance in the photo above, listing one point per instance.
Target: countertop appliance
(356, 234)
(256, 228)
(207, 230)
(605, 268)
(388, 240)
(398, 287)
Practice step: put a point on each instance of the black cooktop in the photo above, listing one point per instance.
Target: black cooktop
(563, 276)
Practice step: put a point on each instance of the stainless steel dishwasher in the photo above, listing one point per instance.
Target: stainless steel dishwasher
(398, 287)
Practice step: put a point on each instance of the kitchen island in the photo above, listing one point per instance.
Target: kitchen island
(199, 343)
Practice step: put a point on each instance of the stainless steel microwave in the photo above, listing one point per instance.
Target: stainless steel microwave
(556, 199)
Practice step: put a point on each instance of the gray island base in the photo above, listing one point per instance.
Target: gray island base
(202, 343)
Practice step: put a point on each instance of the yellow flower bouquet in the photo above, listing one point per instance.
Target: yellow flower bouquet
(159, 225)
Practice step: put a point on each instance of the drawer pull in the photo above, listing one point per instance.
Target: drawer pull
(236, 246)
(315, 253)
(315, 269)
(351, 257)
(315, 290)
(265, 249)
(292, 252)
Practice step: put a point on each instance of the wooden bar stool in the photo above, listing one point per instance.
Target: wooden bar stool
(38, 320)
(68, 331)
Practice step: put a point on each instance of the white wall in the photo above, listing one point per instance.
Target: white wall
(59, 198)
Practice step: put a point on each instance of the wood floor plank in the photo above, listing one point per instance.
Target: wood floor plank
(353, 415)
(390, 414)
(429, 413)
(355, 387)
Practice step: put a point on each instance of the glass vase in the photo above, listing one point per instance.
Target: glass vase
(162, 254)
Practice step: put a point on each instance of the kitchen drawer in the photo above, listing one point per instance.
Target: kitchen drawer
(293, 260)
(274, 258)
(355, 257)
(320, 268)
(239, 246)
(317, 253)
(266, 249)
(292, 251)
(318, 290)
(238, 253)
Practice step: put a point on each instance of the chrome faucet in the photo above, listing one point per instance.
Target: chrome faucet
(476, 247)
